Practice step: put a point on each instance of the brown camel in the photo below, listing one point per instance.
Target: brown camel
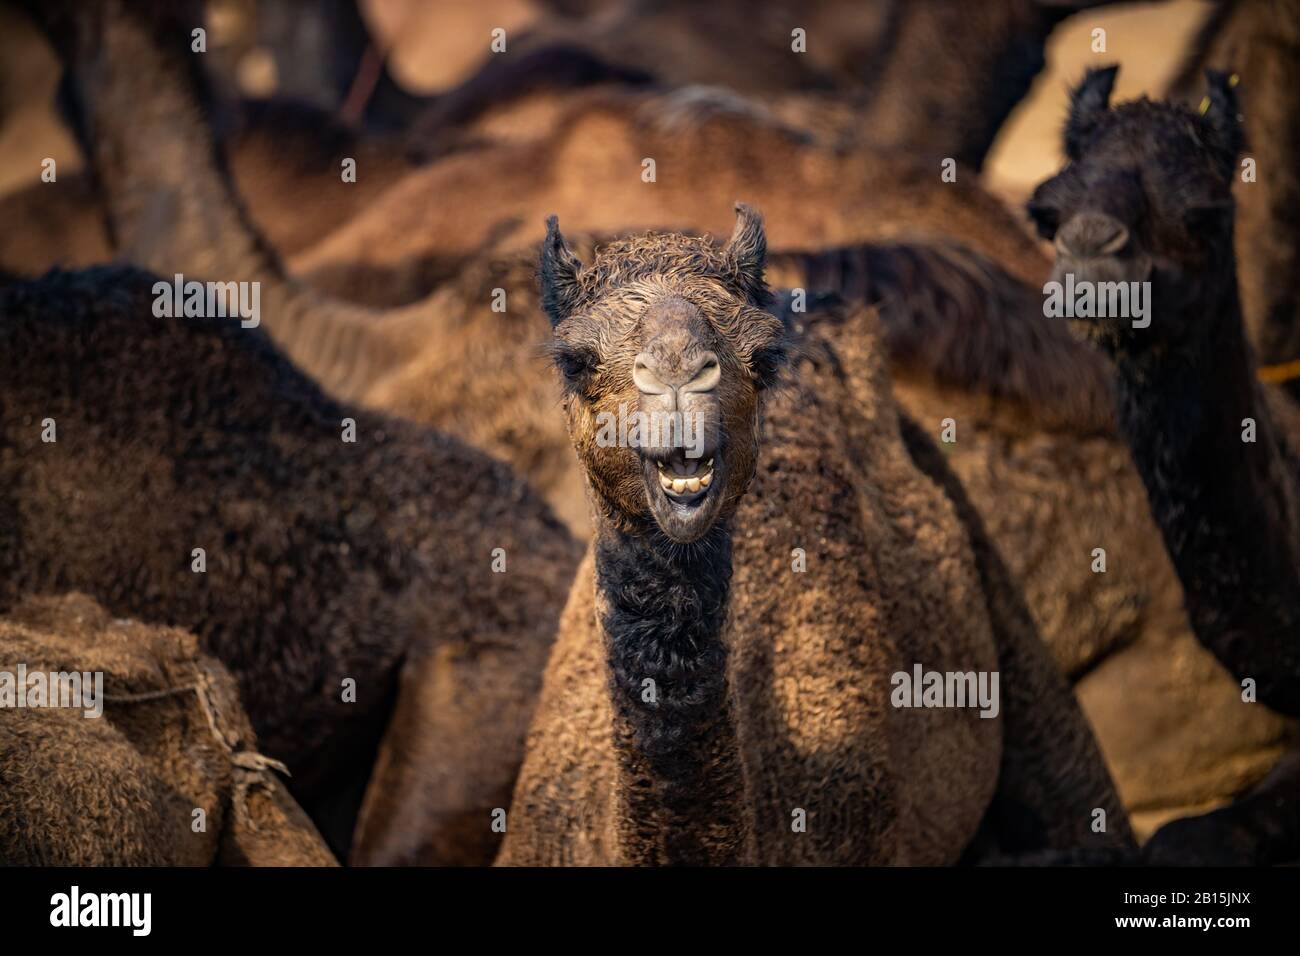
(929, 77)
(165, 770)
(286, 160)
(375, 587)
(693, 712)
(1038, 452)
(1036, 446)
(1147, 201)
(593, 164)
(973, 76)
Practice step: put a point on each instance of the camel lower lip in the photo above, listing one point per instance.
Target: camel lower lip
(684, 501)
(683, 509)
(685, 481)
(687, 501)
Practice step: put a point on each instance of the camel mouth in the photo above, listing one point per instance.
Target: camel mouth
(1096, 293)
(683, 492)
(1101, 270)
(685, 479)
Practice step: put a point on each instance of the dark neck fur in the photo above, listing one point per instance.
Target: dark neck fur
(663, 610)
(1221, 503)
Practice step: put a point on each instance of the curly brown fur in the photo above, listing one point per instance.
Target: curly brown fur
(962, 321)
(1038, 452)
(326, 560)
(690, 774)
(1038, 456)
(121, 788)
(1050, 482)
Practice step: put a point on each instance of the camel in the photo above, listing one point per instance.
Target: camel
(375, 587)
(173, 211)
(592, 163)
(986, 67)
(931, 77)
(1259, 43)
(286, 159)
(1147, 198)
(1036, 447)
(694, 713)
(1038, 452)
(166, 738)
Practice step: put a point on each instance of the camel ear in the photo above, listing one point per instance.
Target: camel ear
(747, 248)
(1088, 104)
(558, 274)
(1221, 112)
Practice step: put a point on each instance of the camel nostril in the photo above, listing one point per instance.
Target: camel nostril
(1091, 234)
(700, 374)
(707, 375)
(645, 378)
(1116, 243)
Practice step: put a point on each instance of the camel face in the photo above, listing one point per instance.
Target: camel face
(1144, 206)
(664, 349)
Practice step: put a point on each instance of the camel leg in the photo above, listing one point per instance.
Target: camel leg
(449, 757)
(1052, 780)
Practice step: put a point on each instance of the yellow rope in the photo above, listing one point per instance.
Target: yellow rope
(1277, 374)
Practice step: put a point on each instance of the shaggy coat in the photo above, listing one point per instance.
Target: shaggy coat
(325, 560)
(1214, 452)
(1040, 456)
(121, 789)
(772, 702)
(1147, 198)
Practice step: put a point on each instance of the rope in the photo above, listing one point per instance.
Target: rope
(1277, 374)
(252, 766)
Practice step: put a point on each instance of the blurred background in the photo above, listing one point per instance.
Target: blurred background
(428, 50)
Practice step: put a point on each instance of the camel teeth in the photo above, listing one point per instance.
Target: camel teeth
(706, 480)
(666, 483)
(693, 484)
(679, 485)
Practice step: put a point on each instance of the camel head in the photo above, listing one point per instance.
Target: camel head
(665, 347)
(1146, 197)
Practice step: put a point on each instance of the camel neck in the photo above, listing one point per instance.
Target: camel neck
(1222, 502)
(142, 111)
(662, 611)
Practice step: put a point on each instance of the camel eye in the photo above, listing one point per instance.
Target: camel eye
(767, 364)
(575, 364)
(1046, 219)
